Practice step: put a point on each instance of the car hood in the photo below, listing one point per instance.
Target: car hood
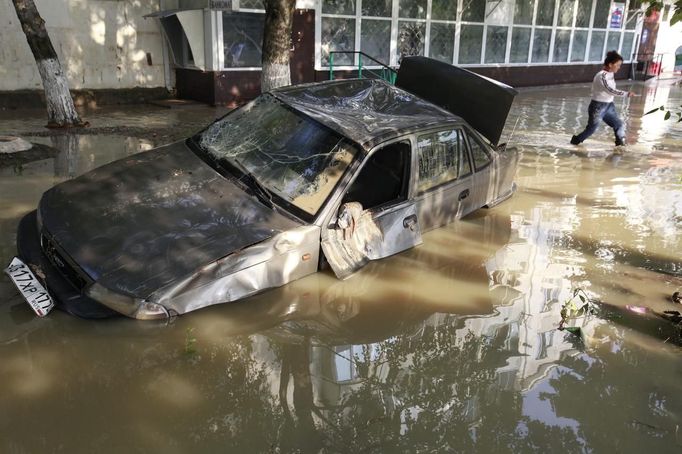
(142, 222)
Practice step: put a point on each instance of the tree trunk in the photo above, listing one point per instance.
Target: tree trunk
(61, 112)
(279, 16)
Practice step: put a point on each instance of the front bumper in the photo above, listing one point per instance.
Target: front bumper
(66, 296)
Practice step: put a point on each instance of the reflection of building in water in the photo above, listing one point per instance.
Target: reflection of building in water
(527, 287)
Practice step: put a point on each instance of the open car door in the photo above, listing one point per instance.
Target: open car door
(376, 219)
(363, 235)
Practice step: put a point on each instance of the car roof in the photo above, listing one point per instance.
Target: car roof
(367, 111)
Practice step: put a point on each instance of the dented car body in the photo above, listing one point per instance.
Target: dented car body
(331, 174)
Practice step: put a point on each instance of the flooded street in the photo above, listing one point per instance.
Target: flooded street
(452, 346)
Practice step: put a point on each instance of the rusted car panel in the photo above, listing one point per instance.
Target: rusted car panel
(338, 173)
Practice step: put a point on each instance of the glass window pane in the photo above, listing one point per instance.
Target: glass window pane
(582, 18)
(579, 45)
(375, 39)
(613, 41)
(626, 51)
(338, 6)
(242, 39)
(473, 10)
(251, 4)
(545, 14)
(411, 38)
(338, 34)
(561, 42)
(470, 44)
(496, 44)
(631, 22)
(415, 9)
(597, 46)
(601, 14)
(443, 9)
(379, 8)
(541, 42)
(441, 159)
(523, 12)
(478, 154)
(565, 18)
(520, 45)
(442, 42)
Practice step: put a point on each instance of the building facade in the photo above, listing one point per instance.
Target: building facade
(210, 50)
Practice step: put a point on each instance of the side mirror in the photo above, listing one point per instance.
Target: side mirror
(348, 214)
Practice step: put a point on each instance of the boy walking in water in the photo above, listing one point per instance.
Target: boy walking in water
(601, 107)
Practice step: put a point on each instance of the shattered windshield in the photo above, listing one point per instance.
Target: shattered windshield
(289, 155)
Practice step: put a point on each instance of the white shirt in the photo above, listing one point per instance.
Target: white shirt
(604, 87)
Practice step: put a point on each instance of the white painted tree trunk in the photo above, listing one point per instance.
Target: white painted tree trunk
(279, 17)
(61, 112)
(275, 75)
(60, 109)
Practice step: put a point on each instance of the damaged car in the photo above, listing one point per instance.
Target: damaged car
(325, 175)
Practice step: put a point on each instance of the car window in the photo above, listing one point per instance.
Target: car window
(441, 158)
(290, 155)
(383, 177)
(478, 153)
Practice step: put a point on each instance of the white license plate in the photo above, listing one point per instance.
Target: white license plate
(30, 288)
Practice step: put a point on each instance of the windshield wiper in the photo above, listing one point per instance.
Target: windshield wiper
(263, 194)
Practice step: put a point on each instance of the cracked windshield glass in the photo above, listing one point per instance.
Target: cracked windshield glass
(290, 155)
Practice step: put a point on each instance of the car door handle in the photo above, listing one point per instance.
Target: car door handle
(463, 195)
(410, 222)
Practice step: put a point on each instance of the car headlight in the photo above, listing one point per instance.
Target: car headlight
(127, 305)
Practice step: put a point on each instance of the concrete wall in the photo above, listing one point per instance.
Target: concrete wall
(100, 43)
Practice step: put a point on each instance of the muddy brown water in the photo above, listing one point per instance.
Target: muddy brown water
(449, 347)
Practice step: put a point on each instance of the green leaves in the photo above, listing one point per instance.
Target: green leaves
(668, 113)
(655, 110)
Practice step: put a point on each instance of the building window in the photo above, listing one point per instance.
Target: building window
(470, 44)
(583, 14)
(523, 12)
(242, 39)
(520, 45)
(613, 41)
(496, 44)
(597, 46)
(565, 18)
(579, 45)
(411, 38)
(376, 38)
(442, 43)
(338, 34)
(562, 40)
(541, 43)
(338, 7)
(601, 13)
(251, 4)
(443, 10)
(377, 8)
(536, 32)
(626, 50)
(412, 9)
(545, 14)
(474, 11)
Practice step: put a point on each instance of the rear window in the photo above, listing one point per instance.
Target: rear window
(442, 159)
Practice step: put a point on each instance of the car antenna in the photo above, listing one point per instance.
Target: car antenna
(514, 129)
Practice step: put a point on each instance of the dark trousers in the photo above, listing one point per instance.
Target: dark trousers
(599, 111)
